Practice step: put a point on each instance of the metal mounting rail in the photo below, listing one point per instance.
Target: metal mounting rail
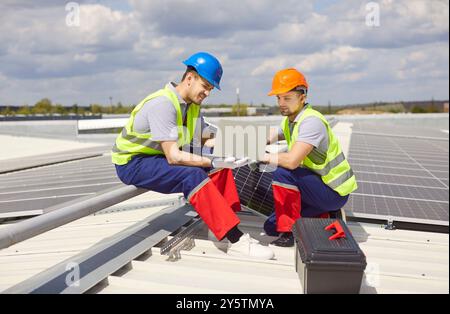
(91, 267)
(65, 213)
(404, 223)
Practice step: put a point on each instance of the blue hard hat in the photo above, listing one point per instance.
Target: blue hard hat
(207, 66)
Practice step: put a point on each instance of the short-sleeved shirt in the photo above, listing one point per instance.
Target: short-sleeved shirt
(312, 131)
(159, 117)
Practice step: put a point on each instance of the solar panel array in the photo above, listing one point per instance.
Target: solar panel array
(404, 176)
(31, 192)
(22, 163)
(399, 175)
(420, 127)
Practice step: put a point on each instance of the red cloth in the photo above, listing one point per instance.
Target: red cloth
(224, 181)
(217, 201)
(287, 207)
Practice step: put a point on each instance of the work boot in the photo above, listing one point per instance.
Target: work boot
(285, 240)
(270, 226)
(250, 248)
(338, 214)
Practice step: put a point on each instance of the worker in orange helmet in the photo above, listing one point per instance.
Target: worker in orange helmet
(313, 178)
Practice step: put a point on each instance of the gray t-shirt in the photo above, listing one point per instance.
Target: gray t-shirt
(311, 131)
(159, 117)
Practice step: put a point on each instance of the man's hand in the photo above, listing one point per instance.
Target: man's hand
(265, 159)
(262, 165)
(210, 142)
(229, 162)
(291, 159)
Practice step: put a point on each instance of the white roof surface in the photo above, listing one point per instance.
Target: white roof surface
(399, 261)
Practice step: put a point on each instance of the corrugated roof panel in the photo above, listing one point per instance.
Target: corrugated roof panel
(41, 252)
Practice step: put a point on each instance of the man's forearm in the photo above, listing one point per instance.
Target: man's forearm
(188, 159)
(284, 160)
(292, 159)
(177, 157)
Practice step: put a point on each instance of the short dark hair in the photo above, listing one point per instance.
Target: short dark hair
(190, 69)
(302, 90)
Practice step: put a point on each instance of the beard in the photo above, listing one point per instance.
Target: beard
(200, 99)
(285, 112)
(197, 99)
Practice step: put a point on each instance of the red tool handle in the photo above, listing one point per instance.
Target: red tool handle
(340, 233)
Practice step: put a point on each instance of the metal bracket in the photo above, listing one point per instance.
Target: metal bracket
(184, 240)
(390, 224)
(175, 255)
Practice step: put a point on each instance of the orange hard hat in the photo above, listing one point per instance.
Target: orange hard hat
(286, 80)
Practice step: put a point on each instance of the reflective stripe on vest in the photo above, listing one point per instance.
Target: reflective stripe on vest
(141, 141)
(130, 143)
(332, 166)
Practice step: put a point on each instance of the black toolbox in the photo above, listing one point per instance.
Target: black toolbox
(327, 258)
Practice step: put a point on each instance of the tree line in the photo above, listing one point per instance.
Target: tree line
(46, 107)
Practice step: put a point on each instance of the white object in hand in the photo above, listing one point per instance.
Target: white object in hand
(229, 162)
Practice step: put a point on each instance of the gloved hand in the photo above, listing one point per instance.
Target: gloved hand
(229, 162)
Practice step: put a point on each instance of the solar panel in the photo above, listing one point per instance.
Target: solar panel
(399, 158)
(33, 191)
(402, 177)
(402, 127)
(405, 164)
(48, 159)
(400, 191)
(397, 207)
(393, 170)
(255, 189)
(399, 179)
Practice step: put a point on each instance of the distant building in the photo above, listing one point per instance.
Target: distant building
(216, 112)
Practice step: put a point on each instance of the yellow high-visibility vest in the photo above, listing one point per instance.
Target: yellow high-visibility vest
(332, 166)
(130, 143)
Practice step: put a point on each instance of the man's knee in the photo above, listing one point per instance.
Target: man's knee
(195, 172)
(282, 175)
(124, 175)
(192, 177)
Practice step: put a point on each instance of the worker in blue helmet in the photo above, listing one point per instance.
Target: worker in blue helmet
(154, 151)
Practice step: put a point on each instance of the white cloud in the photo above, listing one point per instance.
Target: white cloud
(85, 57)
(216, 18)
(270, 66)
(336, 60)
(128, 53)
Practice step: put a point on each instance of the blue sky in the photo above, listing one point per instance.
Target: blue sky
(127, 49)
